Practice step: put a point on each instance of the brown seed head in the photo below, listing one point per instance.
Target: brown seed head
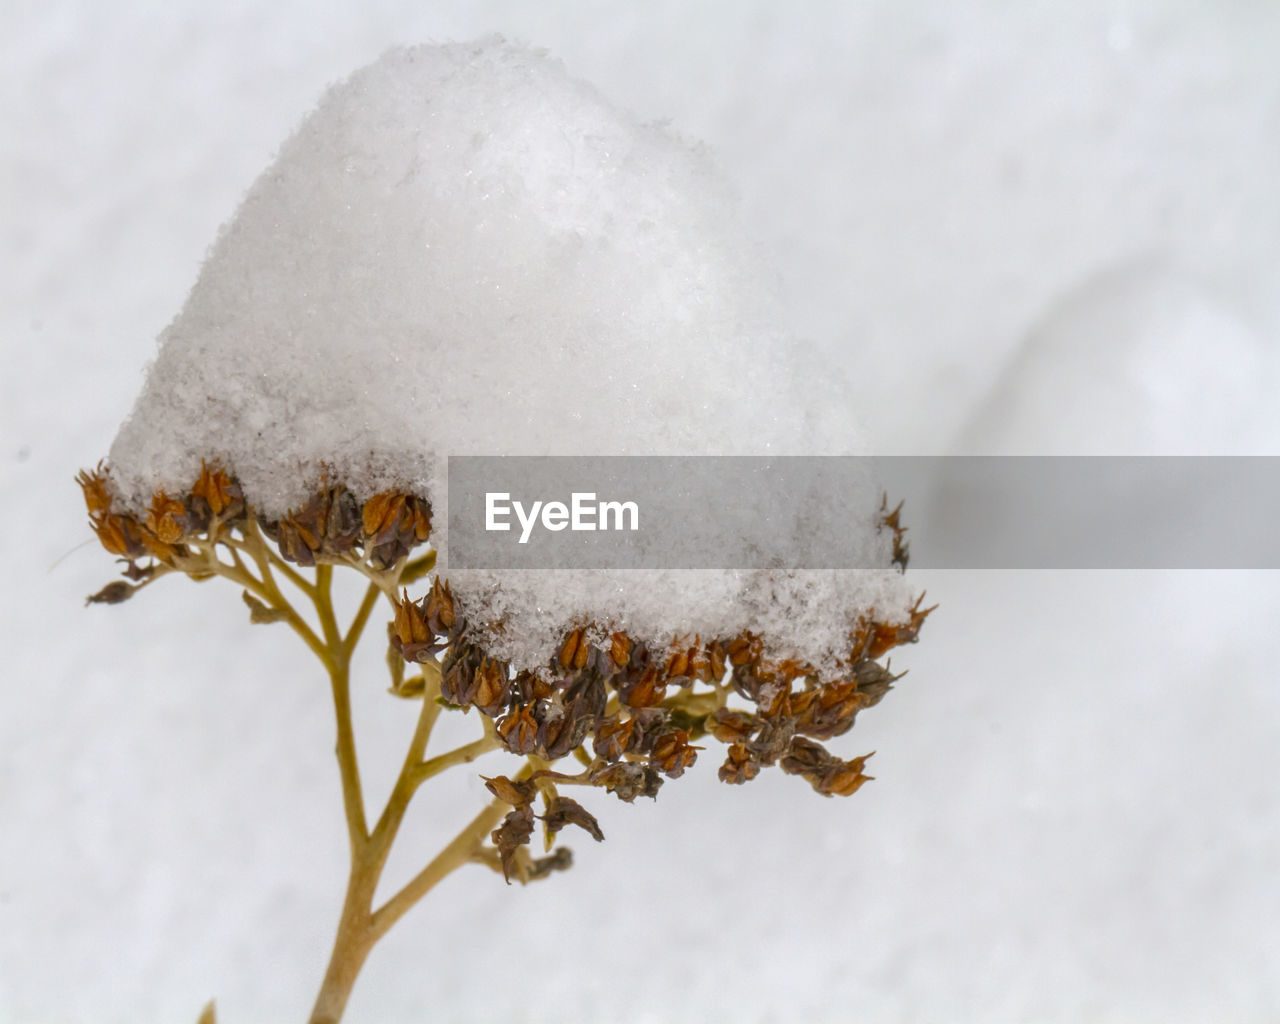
(216, 488)
(410, 625)
(440, 612)
(574, 650)
(518, 730)
(731, 726)
(492, 687)
(672, 753)
(647, 692)
(627, 780)
(93, 483)
(164, 518)
(120, 535)
(620, 649)
(745, 650)
(381, 513)
(739, 766)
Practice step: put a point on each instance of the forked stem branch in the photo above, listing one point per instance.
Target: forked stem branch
(359, 926)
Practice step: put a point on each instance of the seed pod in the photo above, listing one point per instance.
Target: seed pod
(620, 649)
(744, 650)
(678, 664)
(121, 535)
(491, 688)
(731, 726)
(341, 521)
(803, 755)
(518, 730)
(166, 518)
(843, 779)
(585, 692)
(93, 483)
(421, 513)
(772, 740)
(391, 524)
(380, 515)
(828, 711)
(739, 766)
(873, 681)
(574, 650)
(627, 780)
(439, 609)
(645, 692)
(112, 593)
(562, 733)
(616, 737)
(716, 660)
(671, 753)
(458, 675)
(516, 792)
(217, 491)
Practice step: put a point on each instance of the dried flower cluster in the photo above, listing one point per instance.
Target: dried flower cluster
(629, 713)
(333, 526)
(214, 499)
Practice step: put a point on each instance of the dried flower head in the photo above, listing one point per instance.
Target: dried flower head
(629, 712)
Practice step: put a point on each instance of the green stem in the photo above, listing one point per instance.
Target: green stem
(371, 595)
(264, 589)
(337, 658)
(460, 755)
(463, 848)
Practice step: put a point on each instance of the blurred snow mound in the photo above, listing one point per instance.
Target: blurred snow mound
(1140, 360)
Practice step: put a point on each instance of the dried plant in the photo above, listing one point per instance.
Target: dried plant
(621, 716)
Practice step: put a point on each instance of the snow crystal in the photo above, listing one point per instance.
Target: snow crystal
(463, 250)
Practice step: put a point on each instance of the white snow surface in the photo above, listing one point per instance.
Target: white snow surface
(464, 251)
(1075, 814)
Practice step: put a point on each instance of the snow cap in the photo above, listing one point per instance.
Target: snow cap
(463, 250)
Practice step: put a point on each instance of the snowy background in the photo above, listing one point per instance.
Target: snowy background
(1015, 228)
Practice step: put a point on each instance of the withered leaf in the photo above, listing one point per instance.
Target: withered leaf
(565, 811)
(409, 689)
(513, 833)
(560, 859)
(259, 613)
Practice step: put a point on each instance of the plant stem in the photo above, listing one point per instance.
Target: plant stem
(338, 661)
(359, 927)
(351, 948)
(463, 847)
(362, 617)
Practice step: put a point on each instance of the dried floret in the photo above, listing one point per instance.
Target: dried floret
(564, 811)
(511, 835)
